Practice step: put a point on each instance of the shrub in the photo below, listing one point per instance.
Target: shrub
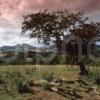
(12, 83)
(94, 76)
(48, 76)
(30, 71)
(7, 86)
(45, 86)
(24, 87)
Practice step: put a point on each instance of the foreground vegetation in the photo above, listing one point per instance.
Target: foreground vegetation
(15, 80)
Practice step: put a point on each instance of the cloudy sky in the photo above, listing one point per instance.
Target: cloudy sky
(12, 11)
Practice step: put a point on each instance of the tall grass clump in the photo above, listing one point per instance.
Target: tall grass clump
(94, 76)
(30, 71)
(49, 75)
(12, 83)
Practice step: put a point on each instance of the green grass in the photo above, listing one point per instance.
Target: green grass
(6, 97)
(15, 77)
(40, 69)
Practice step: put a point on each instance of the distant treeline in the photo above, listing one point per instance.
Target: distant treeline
(31, 57)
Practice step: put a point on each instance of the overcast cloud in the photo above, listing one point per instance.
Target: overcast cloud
(12, 11)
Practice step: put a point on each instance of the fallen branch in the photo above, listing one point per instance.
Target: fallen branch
(84, 82)
(39, 82)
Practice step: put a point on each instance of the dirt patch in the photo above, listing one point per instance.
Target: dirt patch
(45, 95)
(64, 89)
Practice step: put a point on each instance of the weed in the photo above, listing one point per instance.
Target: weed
(30, 71)
(94, 76)
(48, 76)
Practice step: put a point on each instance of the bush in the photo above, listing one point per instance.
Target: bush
(24, 87)
(94, 76)
(48, 76)
(30, 71)
(12, 83)
(7, 86)
(45, 86)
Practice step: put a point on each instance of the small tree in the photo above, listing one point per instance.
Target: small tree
(58, 27)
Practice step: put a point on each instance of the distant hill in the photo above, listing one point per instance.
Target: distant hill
(26, 47)
(20, 48)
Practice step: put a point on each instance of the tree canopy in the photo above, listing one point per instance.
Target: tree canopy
(59, 27)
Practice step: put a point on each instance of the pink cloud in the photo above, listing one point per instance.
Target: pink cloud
(13, 10)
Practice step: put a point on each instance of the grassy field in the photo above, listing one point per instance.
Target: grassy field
(36, 71)
(13, 74)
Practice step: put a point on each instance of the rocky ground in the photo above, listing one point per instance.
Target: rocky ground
(63, 89)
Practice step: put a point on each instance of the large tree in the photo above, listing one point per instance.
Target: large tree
(59, 27)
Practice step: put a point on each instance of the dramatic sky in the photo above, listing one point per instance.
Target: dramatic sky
(12, 11)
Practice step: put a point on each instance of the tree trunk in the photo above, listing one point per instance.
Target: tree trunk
(83, 70)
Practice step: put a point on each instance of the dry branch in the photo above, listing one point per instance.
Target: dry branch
(39, 82)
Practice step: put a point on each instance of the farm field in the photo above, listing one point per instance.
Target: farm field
(46, 75)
